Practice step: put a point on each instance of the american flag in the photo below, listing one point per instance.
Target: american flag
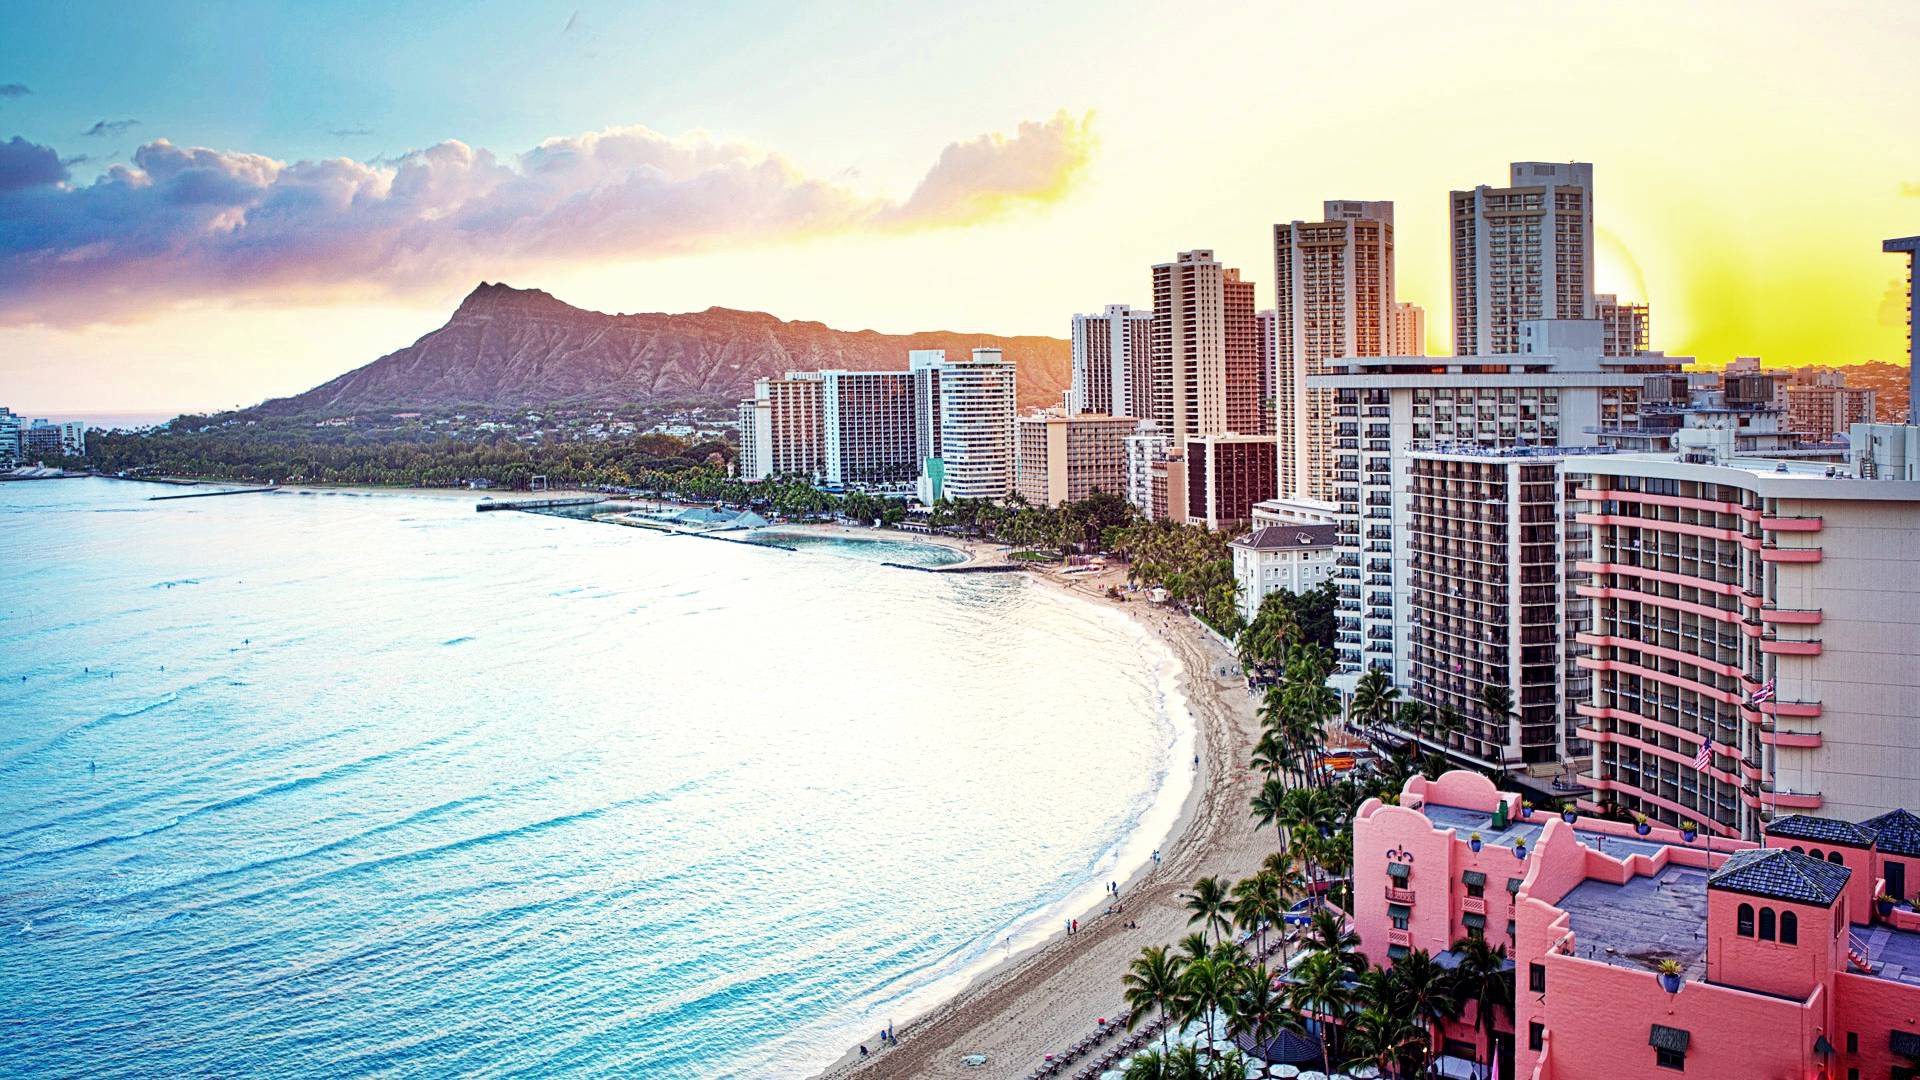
(1765, 693)
(1705, 757)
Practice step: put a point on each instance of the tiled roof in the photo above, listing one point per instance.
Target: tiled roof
(1899, 832)
(1288, 537)
(1669, 1038)
(1780, 874)
(1822, 830)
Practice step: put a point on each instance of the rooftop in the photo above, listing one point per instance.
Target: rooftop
(1643, 921)
(1468, 822)
(1780, 874)
(1288, 537)
(1823, 830)
(1895, 953)
(1897, 833)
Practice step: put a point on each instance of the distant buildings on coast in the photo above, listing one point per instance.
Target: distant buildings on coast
(41, 440)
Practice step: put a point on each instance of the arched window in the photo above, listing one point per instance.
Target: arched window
(1799, 849)
(1789, 928)
(1766, 924)
(1744, 923)
(1817, 853)
(1834, 858)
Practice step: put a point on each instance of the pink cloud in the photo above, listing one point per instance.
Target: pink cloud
(186, 224)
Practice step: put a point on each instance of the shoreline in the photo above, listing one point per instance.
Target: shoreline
(1049, 994)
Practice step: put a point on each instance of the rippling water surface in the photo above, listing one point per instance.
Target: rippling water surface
(345, 784)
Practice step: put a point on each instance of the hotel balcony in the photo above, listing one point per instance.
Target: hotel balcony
(1403, 938)
(1473, 905)
(1398, 895)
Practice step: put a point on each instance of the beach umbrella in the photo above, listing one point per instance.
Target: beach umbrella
(1313, 1074)
(1286, 1072)
(1366, 1072)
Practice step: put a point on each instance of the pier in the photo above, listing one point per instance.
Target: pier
(211, 494)
(542, 504)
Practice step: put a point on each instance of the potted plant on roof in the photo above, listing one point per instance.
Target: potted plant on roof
(1883, 904)
(1671, 975)
(1520, 848)
(1688, 830)
(1569, 815)
(1526, 809)
(1474, 842)
(1641, 825)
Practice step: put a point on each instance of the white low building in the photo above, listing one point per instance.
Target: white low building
(1293, 557)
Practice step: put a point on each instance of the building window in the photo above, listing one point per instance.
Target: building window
(1789, 928)
(1743, 921)
(1536, 1035)
(1537, 978)
(1853, 1042)
(1669, 1059)
(1834, 857)
(1476, 890)
(1766, 924)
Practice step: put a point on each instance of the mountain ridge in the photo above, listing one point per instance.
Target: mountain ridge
(514, 347)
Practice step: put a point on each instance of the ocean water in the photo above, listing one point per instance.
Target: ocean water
(297, 784)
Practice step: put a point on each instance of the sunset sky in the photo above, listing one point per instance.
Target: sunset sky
(203, 205)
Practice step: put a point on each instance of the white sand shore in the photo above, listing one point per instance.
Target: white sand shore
(1040, 1001)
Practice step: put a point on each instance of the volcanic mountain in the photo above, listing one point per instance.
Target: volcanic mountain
(522, 347)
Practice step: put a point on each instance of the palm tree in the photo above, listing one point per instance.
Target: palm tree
(1255, 1010)
(1271, 806)
(1320, 989)
(1258, 904)
(1152, 981)
(1272, 755)
(1194, 947)
(1482, 979)
(1210, 905)
(1497, 703)
(1449, 724)
(1423, 991)
(1378, 1036)
(1328, 935)
(1413, 717)
(1374, 698)
(1206, 987)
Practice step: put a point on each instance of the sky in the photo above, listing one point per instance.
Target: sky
(203, 205)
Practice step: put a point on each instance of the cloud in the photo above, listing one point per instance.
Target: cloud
(111, 127)
(25, 165)
(13, 89)
(349, 132)
(183, 224)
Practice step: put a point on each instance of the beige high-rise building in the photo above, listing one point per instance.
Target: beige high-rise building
(1065, 458)
(787, 418)
(1333, 286)
(977, 396)
(1409, 330)
(1205, 347)
(1623, 326)
(1820, 405)
(1521, 252)
(1112, 362)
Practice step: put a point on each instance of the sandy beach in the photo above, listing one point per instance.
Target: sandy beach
(1040, 1001)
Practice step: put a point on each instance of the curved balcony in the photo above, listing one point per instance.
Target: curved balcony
(1791, 616)
(1790, 648)
(1644, 747)
(1778, 523)
(1629, 521)
(1661, 651)
(1806, 740)
(1725, 696)
(1749, 770)
(1790, 800)
(1605, 712)
(1790, 555)
(1608, 592)
(1681, 501)
(1687, 812)
(1724, 588)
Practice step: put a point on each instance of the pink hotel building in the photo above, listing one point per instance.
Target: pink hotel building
(1789, 969)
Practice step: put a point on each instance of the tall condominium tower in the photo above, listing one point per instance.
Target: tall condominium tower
(977, 450)
(1240, 328)
(867, 421)
(1266, 324)
(1623, 326)
(1066, 458)
(788, 432)
(1910, 247)
(1521, 252)
(1333, 298)
(1112, 362)
(1203, 340)
(1409, 330)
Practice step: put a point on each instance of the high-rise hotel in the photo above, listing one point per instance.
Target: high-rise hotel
(1112, 362)
(1333, 298)
(1521, 252)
